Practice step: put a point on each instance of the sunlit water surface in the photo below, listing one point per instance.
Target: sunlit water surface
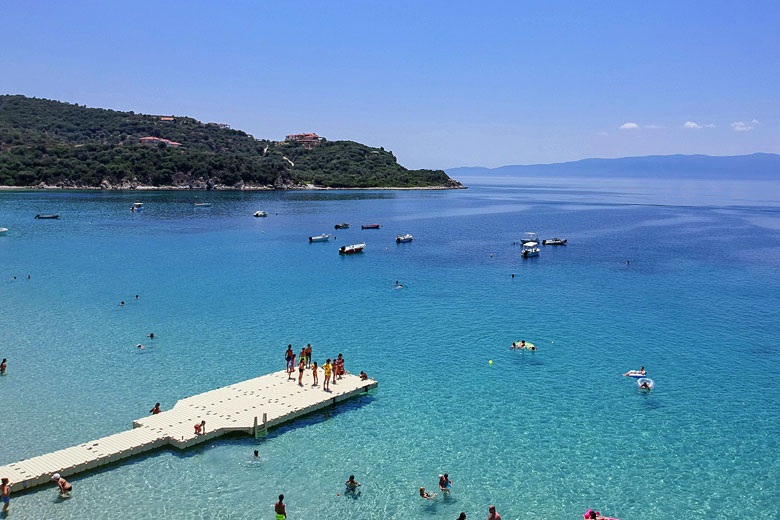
(543, 434)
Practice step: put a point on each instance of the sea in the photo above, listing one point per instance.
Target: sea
(681, 277)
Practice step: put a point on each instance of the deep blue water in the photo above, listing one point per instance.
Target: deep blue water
(544, 434)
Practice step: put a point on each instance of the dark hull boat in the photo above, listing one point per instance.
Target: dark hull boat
(370, 226)
(47, 217)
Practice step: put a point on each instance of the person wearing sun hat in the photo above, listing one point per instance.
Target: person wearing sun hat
(64, 485)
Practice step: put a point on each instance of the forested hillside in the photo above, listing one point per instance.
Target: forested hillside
(44, 142)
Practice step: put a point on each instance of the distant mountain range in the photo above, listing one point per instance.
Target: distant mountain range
(756, 166)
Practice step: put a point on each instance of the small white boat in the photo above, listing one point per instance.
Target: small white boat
(320, 238)
(3, 230)
(555, 242)
(529, 237)
(403, 238)
(138, 205)
(352, 249)
(203, 204)
(259, 214)
(530, 249)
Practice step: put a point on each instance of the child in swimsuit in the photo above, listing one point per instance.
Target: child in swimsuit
(314, 372)
(301, 366)
(327, 367)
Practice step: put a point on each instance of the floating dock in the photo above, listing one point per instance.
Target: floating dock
(251, 406)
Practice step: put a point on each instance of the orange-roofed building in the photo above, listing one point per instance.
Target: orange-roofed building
(308, 141)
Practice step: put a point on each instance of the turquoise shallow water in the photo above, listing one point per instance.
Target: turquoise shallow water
(547, 433)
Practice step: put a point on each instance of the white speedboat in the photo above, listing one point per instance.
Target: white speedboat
(3, 230)
(529, 237)
(138, 205)
(530, 249)
(555, 242)
(352, 249)
(259, 214)
(403, 238)
(203, 204)
(320, 238)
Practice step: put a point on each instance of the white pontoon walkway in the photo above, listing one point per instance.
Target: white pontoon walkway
(251, 406)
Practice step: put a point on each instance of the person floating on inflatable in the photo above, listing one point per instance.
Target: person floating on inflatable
(645, 384)
(636, 373)
(595, 515)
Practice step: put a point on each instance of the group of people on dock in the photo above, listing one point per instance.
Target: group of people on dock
(333, 369)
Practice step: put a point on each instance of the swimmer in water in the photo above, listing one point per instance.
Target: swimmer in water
(136, 296)
(352, 484)
(257, 454)
(493, 515)
(122, 304)
(445, 484)
(151, 335)
(424, 494)
(3, 366)
(645, 386)
(462, 516)
(64, 486)
(399, 286)
(140, 347)
(156, 409)
(281, 514)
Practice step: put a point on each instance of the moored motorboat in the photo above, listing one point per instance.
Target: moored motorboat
(370, 226)
(203, 204)
(47, 217)
(3, 230)
(138, 205)
(403, 238)
(343, 225)
(320, 238)
(351, 249)
(530, 249)
(259, 213)
(529, 237)
(555, 242)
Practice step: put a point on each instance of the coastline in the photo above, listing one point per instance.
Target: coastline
(229, 188)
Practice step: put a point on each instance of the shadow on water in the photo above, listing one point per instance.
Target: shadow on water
(649, 403)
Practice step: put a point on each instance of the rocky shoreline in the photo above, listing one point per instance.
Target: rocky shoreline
(213, 186)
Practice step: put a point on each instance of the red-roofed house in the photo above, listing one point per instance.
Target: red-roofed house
(308, 141)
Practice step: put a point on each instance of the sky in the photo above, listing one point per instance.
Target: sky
(441, 84)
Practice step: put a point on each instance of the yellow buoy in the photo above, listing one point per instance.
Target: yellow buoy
(490, 362)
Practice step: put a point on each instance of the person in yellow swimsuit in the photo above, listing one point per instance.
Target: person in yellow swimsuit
(327, 367)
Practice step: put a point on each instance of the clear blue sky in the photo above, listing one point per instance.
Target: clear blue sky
(442, 84)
